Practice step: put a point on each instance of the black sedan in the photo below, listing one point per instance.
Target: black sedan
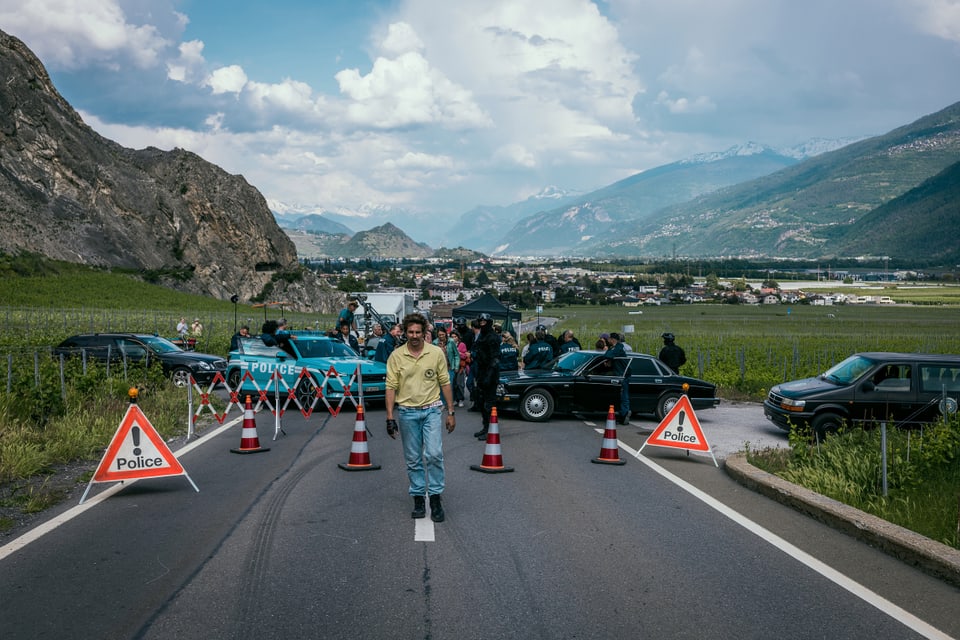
(589, 382)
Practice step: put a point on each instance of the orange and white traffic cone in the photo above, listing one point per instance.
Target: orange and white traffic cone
(609, 451)
(492, 460)
(249, 442)
(359, 452)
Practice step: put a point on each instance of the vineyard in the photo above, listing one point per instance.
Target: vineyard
(56, 412)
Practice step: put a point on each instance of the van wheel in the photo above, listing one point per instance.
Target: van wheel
(825, 424)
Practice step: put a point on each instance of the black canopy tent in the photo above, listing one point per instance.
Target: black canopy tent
(488, 304)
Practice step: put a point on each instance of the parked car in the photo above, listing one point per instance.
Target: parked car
(314, 352)
(585, 382)
(177, 364)
(906, 389)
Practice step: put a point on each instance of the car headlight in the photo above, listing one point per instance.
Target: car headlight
(789, 404)
(206, 366)
(501, 389)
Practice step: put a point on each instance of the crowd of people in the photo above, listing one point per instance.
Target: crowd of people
(435, 367)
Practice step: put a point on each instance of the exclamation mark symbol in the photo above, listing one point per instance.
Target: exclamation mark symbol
(136, 440)
(682, 415)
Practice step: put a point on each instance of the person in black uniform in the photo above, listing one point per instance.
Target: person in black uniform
(671, 354)
(487, 349)
(620, 366)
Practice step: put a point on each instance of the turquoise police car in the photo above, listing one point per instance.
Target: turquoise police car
(307, 362)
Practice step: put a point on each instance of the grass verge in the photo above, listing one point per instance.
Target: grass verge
(923, 474)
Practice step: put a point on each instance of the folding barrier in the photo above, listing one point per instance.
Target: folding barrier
(307, 394)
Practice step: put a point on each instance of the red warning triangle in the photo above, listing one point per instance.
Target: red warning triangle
(679, 429)
(137, 451)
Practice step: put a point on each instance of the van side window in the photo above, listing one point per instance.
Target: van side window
(893, 377)
(936, 378)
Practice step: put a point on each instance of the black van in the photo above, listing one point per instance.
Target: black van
(905, 389)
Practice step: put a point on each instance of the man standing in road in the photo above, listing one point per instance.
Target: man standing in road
(416, 377)
(621, 367)
(487, 348)
(672, 354)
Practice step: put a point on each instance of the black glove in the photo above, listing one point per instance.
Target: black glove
(392, 428)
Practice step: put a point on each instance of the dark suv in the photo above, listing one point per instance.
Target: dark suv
(906, 389)
(177, 364)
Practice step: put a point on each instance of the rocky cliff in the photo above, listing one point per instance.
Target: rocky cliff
(68, 193)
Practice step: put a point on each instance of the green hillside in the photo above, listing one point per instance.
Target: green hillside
(807, 209)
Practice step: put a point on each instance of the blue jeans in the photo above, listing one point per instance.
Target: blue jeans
(420, 432)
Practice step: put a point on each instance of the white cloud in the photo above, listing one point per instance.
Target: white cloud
(701, 104)
(70, 34)
(940, 18)
(230, 79)
(400, 39)
(186, 67)
(407, 91)
(289, 96)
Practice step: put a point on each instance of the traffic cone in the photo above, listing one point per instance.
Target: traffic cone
(359, 452)
(492, 460)
(609, 451)
(249, 442)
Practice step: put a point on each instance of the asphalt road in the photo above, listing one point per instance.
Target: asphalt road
(285, 544)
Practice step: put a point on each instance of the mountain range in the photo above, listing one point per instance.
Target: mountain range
(889, 195)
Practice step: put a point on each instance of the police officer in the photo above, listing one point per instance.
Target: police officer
(672, 355)
(621, 367)
(540, 352)
(509, 353)
(487, 349)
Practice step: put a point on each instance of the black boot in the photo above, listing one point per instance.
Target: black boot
(436, 509)
(419, 508)
(481, 434)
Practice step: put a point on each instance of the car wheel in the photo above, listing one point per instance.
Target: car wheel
(306, 391)
(825, 424)
(180, 377)
(536, 406)
(666, 402)
(233, 379)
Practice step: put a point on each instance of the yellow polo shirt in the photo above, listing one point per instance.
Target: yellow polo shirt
(417, 381)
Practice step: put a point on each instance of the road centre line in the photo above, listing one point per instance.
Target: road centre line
(424, 531)
(902, 616)
(41, 530)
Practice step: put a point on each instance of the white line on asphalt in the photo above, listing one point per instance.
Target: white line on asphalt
(424, 530)
(39, 531)
(904, 617)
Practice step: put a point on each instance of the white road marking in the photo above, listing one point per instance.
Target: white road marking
(38, 532)
(900, 615)
(424, 530)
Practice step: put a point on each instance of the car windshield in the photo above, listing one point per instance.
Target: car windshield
(324, 349)
(160, 345)
(848, 370)
(570, 361)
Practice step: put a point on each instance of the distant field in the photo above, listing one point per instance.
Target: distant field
(744, 349)
(747, 349)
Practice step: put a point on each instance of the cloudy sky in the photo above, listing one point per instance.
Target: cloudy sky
(436, 106)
